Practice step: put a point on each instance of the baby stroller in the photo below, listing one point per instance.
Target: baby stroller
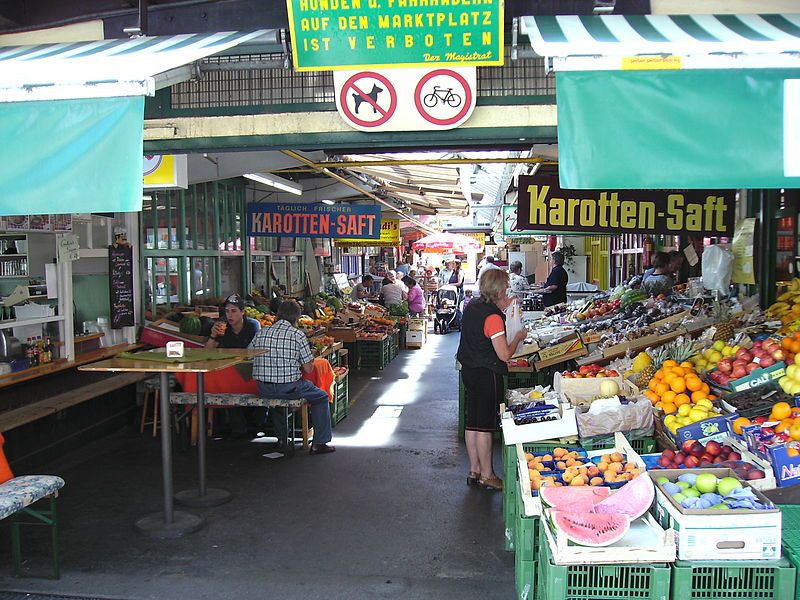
(448, 309)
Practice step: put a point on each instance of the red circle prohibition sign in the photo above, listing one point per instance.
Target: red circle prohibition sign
(386, 114)
(467, 97)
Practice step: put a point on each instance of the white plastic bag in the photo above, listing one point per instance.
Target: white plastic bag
(717, 269)
(514, 323)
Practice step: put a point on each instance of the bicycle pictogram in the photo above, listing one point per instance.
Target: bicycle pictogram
(443, 95)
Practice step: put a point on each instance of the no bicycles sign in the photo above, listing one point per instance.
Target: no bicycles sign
(405, 99)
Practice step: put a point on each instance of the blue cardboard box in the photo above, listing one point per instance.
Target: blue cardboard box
(786, 468)
(714, 428)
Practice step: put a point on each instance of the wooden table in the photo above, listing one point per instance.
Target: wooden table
(171, 523)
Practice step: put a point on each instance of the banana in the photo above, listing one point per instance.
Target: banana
(786, 296)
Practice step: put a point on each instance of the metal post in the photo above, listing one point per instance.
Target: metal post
(166, 449)
(201, 437)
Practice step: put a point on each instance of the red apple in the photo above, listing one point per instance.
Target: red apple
(668, 453)
(759, 420)
(778, 354)
(734, 456)
(713, 448)
(687, 446)
(665, 462)
(724, 380)
(697, 449)
(751, 367)
(679, 459)
(739, 371)
(725, 365)
(691, 462)
(767, 361)
(717, 460)
(706, 457)
(755, 474)
(739, 363)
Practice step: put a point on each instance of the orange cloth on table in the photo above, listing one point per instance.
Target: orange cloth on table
(5, 470)
(322, 376)
(225, 381)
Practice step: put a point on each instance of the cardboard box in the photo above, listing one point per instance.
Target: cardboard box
(715, 428)
(417, 325)
(735, 534)
(343, 334)
(566, 426)
(756, 378)
(575, 389)
(785, 468)
(415, 337)
(568, 344)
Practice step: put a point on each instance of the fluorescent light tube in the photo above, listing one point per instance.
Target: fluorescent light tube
(279, 183)
(328, 201)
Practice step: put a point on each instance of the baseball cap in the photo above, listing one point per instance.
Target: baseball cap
(236, 300)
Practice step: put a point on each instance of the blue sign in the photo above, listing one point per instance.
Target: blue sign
(287, 219)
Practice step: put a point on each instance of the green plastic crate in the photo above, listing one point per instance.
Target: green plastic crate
(790, 518)
(526, 534)
(525, 575)
(599, 582)
(516, 380)
(341, 400)
(646, 445)
(793, 558)
(733, 580)
(510, 485)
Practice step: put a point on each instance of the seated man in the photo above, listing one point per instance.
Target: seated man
(278, 372)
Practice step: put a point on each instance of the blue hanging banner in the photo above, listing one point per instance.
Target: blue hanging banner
(292, 219)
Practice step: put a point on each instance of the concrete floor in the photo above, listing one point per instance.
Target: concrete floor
(387, 516)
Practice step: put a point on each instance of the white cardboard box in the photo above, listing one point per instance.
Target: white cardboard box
(566, 426)
(736, 534)
(415, 337)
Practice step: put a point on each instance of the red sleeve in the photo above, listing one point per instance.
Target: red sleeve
(494, 326)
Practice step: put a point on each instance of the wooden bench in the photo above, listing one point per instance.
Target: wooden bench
(16, 497)
(224, 400)
(49, 406)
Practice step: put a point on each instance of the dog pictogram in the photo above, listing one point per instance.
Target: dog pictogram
(358, 98)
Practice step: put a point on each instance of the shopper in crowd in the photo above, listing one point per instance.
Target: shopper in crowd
(416, 301)
(391, 292)
(659, 280)
(456, 277)
(362, 290)
(517, 280)
(404, 267)
(467, 299)
(234, 330)
(488, 265)
(278, 373)
(676, 262)
(554, 289)
(446, 272)
(279, 294)
(483, 352)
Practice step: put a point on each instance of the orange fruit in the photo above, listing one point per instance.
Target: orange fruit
(659, 375)
(668, 396)
(786, 343)
(679, 371)
(669, 378)
(712, 397)
(652, 385)
(661, 388)
(795, 347)
(698, 395)
(668, 408)
(705, 388)
(678, 385)
(687, 365)
(792, 452)
(652, 396)
(693, 384)
(681, 399)
(784, 425)
(668, 364)
(739, 423)
(782, 410)
(794, 432)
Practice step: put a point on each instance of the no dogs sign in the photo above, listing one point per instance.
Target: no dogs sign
(405, 99)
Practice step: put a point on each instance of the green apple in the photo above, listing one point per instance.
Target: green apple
(678, 497)
(721, 506)
(727, 484)
(691, 493)
(683, 485)
(662, 480)
(719, 345)
(706, 483)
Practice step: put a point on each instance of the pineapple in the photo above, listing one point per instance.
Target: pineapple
(680, 350)
(723, 322)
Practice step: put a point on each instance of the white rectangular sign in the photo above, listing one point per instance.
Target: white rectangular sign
(68, 248)
(791, 128)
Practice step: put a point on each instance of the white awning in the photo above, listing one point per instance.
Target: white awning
(106, 68)
(698, 41)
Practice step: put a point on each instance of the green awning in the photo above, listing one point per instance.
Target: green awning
(675, 101)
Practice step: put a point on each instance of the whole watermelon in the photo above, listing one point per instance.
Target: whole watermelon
(190, 325)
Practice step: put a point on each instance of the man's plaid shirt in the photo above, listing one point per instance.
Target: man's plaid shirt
(288, 351)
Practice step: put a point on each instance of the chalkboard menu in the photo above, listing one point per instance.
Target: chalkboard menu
(120, 277)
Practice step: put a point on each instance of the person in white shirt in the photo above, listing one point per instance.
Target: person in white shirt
(488, 266)
(517, 282)
(392, 293)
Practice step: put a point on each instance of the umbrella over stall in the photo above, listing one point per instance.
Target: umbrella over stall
(446, 242)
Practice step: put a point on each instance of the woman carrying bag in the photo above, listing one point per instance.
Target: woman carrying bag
(483, 352)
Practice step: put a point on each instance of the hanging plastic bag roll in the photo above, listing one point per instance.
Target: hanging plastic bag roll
(514, 323)
(717, 269)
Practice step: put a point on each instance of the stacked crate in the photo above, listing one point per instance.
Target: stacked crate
(341, 399)
(374, 354)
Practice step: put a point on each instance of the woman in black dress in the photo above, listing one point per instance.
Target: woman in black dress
(483, 352)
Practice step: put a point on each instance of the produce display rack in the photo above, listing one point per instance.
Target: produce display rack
(526, 531)
(599, 582)
(341, 399)
(733, 580)
(525, 572)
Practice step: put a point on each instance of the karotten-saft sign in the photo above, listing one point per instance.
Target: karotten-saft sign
(543, 206)
(354, 34)
(291, 219)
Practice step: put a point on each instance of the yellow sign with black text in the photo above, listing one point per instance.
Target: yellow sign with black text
(543, 206)
(390, 236)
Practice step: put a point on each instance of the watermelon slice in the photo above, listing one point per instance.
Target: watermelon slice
(574, 499)
(633, 499)
(590, 529)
